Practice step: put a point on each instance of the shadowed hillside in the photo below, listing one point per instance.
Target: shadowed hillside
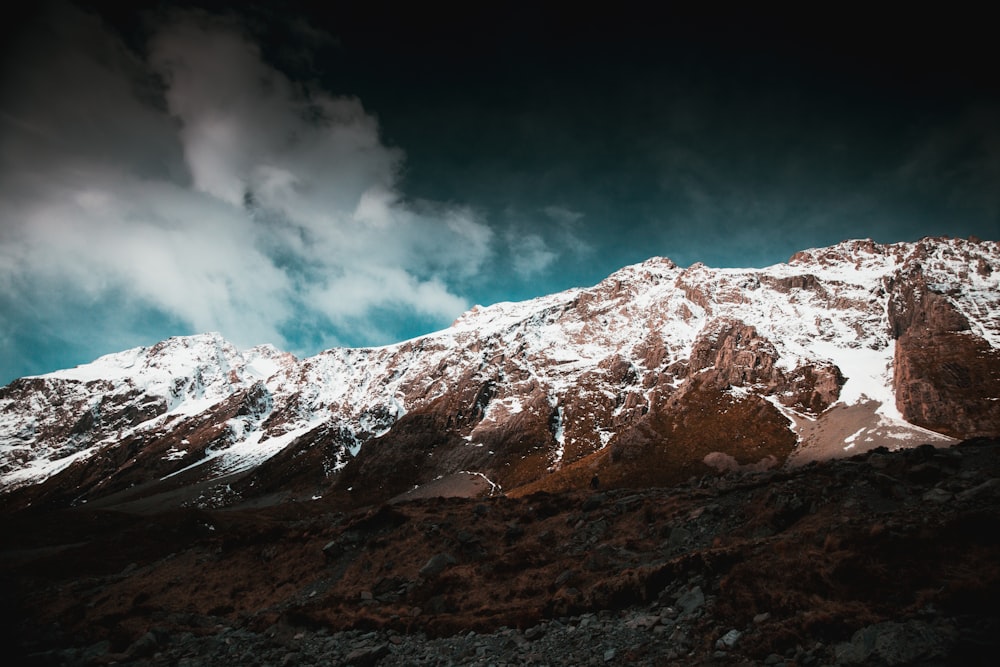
(886, 558)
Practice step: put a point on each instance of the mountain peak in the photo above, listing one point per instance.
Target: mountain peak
(644, 377)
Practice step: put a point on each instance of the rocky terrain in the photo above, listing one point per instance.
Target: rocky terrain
(653, 375)
(886, 558)
(649, 471)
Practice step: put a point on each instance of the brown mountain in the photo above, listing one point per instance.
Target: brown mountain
(656, 374)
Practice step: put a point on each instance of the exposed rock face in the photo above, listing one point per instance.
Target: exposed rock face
(736, 354)
(730, 353)
(947, 379)
(639, 380)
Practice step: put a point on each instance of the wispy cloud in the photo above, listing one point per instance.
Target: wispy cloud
(538, 241)
(568, 229)
(530, 254)
(200, 182)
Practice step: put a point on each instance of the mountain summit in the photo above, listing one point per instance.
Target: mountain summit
(653, 375)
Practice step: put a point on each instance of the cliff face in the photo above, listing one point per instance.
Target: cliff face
(947, 378)
(653, 375)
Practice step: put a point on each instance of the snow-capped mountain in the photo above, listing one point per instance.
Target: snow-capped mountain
(656, 373)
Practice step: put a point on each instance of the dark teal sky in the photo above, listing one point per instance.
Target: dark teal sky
(307, 176)
(733, 139)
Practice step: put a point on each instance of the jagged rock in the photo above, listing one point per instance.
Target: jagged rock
(144, 646)
(690, 601)
(679, 537)
(333, 549)
(437, 564)
(945, 379)
(894, 644)
(367, 656)
(811, 388)
(644, 621)
(736, 353)
(728, 640)
(989, 487)
(937, 496)
(565, 577)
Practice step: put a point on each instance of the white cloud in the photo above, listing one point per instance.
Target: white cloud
(562, 214)
(232, 199)
(554, 236)
(567, 229)
(531, 256)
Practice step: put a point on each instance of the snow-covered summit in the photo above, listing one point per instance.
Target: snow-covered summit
(203, 368)
(572, 372)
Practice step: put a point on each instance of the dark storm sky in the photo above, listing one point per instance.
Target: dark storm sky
(313, 176)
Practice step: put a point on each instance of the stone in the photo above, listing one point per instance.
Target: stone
(989, 487)
(690, 601)
(937, 495)
(333, 549)
(643, 621)
(565, 577)
(893, 644)
(728, 640)
(367, 656)
(144, 646)
(437, 564)
(679, 537)
(939, 368)
(95, 650)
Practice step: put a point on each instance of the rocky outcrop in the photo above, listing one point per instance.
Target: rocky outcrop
(811, 388)
(729, 353)
(946, 379)
(735, 354)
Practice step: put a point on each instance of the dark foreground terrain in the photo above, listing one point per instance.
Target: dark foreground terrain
(884, 559)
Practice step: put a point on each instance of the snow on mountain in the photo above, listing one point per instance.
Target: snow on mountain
(817, 338)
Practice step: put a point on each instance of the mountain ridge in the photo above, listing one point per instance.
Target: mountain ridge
(842, 348)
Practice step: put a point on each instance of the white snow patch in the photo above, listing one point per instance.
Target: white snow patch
(245, 454)
(854, 436)
(174, 454)
(494, 487)
(560, 438)
(39, 470)
(868, 375)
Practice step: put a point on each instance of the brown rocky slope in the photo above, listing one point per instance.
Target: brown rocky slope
(888, 558)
